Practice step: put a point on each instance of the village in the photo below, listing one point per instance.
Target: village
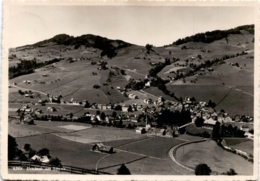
(141, 117)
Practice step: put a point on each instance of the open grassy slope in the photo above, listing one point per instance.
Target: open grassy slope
(76, 80)
(214, 156)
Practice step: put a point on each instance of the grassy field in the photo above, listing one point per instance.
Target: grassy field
(237, 103)
(214, 156)
(243, 144)
(155, 147)
(76, 154)
(74, 148)
(200, 92)
(231, 100)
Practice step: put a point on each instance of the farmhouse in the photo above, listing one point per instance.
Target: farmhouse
(102, 148)
(140, 130)
(133, 96)
(210, 122)
(27, 81)
(244, 128)
(43, 159)
(125, 108)
(52, 109)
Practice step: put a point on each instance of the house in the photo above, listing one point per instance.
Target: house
(148, 101)
(210, 122)
(104, 107)
(38, 111)
(52, 109)
(244, 128)
(133, 96)
(107, 119)
(99, 106)
(43, 159)
(109, 107)
(161, 99)
(27, 81)
(102, 148)
(140, 130)
(93, 106)
(133, 119)
(227, 119)
(139, 107)
(125, 108)
(148, 84)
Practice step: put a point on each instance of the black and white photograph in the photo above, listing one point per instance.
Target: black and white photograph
(133, 90)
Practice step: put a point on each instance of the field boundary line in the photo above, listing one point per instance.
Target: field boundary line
(54, 133)
(133, 142)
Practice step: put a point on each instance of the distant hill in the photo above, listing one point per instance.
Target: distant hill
(211, 36)
(216, 66)
(107, 46)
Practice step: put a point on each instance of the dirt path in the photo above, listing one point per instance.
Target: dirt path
(181, 168)
(29, 89)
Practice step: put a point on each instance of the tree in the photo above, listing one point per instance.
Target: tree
(148, 47)
(130, 109)
(32, 153)
(199, 122)
(12, 148)
(87, 105)
(27, 147)
(123, 170)
(202, 169)
(216, 130)
(103, 116)
(114, 114)
(55, 162)
(230, 172)
(118, 108)
(43, 152)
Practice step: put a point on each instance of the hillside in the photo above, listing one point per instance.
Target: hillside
(220, 69)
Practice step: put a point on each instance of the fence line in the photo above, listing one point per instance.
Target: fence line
(61, 168)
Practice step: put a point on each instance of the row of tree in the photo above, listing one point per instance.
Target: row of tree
(28, 66)
(211, 36)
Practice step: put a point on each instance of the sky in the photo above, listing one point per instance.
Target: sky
(134, 24)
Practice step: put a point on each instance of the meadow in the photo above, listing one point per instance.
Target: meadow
(214, 156)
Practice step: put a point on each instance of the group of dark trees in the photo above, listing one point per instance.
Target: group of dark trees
(135, 85)
(148, 48)
(204, 169)
(170, 118)
(211, 36)
(226, 131)
(88, 40)
(51, 117)
(208, 63)
(223, 130)
(158, 67)
(28, 66)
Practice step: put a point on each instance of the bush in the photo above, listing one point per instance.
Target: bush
(43, 152)
(22, 157)
(27, 147)
(12, 148)
(55, 162)
(123, 170)
(202, 169)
